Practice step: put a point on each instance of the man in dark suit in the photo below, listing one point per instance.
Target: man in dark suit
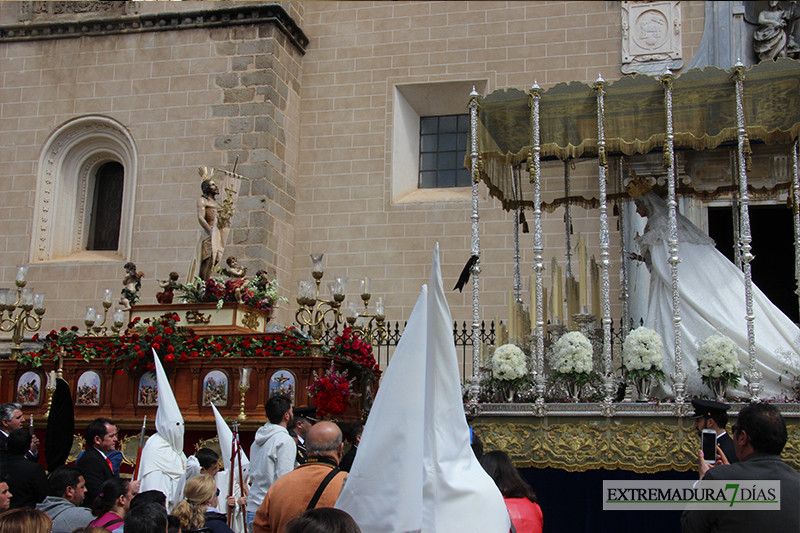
(355, 439)
(709, 414)
(101, 439)
(26, 479)
(759, 436)
(11, 418)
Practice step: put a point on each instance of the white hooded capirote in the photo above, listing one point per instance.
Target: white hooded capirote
(415, 469)
(163, 462)
(223, 478)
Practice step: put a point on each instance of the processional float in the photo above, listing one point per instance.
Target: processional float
(512, 130)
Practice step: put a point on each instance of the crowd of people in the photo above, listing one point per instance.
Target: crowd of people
(295, 481)
(289, 451)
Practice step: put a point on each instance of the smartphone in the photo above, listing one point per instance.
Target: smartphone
(709, 445)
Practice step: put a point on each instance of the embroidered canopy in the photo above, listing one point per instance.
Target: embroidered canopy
(704, 113)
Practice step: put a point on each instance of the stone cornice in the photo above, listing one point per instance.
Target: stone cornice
(185, 20)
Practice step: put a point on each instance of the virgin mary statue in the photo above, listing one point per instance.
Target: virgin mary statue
(712, 301)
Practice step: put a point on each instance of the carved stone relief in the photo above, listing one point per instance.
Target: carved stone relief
(35, 11)
(651, 37)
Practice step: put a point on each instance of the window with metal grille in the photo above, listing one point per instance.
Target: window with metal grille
(442, 149)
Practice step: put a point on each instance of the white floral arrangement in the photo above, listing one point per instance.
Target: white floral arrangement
(643, 354)
(718, 358)
(572, 355)
(508, 363)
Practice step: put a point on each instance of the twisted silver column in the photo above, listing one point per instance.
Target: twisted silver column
(624, 295)
(753, 376)
(609, 383)
(796, 212)
(568, 221)
(474, 388)
(679, 377)
(517, 277)
(534, 168)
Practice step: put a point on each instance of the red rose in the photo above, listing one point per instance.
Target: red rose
(183, 358)
(120, 372)
(169, 358)
(151, 329)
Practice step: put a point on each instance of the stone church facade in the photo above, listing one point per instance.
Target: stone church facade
(319, 105)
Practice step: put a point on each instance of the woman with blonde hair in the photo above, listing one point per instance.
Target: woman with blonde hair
(25, 520)
(198, 509)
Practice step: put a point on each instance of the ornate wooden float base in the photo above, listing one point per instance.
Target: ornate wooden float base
(126, 399)
(207, 319)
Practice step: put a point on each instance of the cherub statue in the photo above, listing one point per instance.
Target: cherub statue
(234, 271)
(132, 283)
(169, 286)
(236, 274)
(262, 279)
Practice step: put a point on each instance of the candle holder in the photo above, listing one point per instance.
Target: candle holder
(23, 321)
(51, 389)
(53, 378)
(118, 320)
(244, 386)
(95, 322)
(312, 310)
(374, 329)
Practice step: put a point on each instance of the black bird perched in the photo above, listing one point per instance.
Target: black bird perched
(464, 277)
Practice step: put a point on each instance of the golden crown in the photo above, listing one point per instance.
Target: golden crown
(637, 186)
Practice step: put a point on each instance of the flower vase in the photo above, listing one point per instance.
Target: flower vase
(573, 390)
(719, 387)
(643, 384)
(509, 392)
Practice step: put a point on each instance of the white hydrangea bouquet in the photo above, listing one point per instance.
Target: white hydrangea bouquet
(643, 354)
(718, 359)
(508, 363)
(572, 358)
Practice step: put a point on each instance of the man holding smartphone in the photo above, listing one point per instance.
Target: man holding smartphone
(711, 415)
(759, 436)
